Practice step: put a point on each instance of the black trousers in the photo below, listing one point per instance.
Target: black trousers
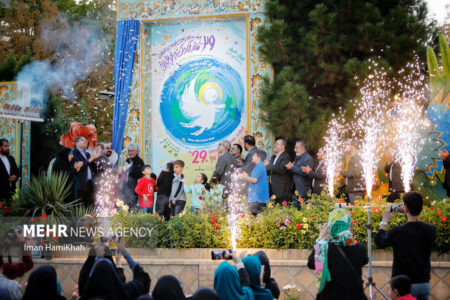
(162, 206)
(86, 194)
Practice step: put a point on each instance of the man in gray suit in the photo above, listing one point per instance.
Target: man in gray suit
(225, 166)
(319, 175)
(302, 181)
(354, 175)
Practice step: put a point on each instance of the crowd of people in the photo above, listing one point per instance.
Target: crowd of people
(337, 260)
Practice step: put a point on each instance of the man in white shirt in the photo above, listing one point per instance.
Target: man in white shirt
(9, 172)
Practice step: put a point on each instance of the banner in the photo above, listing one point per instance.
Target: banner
(17, 102)
(199, 90)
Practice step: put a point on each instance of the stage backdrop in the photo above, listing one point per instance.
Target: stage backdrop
(199, 72)
(197, 79)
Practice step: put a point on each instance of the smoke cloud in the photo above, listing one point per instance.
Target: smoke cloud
(77, 50)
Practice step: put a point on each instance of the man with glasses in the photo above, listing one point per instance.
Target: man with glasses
(134, 173)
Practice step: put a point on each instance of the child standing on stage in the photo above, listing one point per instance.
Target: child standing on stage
(197, 191)
(146, 188)
(215, 193)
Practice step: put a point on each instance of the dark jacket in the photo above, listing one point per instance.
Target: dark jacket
(134, 173)
(319, 176)
(280, 176)
(8, 188)
(224, 167)
(301, 180)
(346, 283)
(248, 164)
(164, 183)
(62, 165)
(395, 183)
(82, 175)
(354, 174)
(447, 175)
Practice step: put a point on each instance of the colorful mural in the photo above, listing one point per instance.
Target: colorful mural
(197, 80)
(10, 130)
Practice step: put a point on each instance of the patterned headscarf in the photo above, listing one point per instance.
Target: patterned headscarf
(340, 233)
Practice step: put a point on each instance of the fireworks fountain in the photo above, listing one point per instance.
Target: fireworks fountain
(333, 151)
(408, 123)
(235, 207)
(370, 115)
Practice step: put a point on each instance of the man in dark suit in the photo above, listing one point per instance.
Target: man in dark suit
(446, 158)
(249, 145)
(225, 166)
(319, 175)
(9, 173)
(82, 162)
(280, 177)
(394, 171)
(301, 180)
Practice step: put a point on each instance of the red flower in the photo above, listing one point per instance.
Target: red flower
(299, 226)
(211, 212)
(155, 215)
(55, 237)
(213, 220)
(6, 210)
(42, 243)
(160, 220)
(439, 213)
(1, 204)
(200, 197)
(278, 224)
(43, 217)
(313, 217)
(323, 214)
(203, 204)
(341, 200)
(284, 203)
(32, 219)
(301, 200)
(444, 219)
(351, 214)
(354, 222)
(216, 226)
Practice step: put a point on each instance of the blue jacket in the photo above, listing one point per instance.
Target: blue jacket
(301, 180)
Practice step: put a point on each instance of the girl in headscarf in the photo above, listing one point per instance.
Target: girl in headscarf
(42, 285)
(269, 282)
(338, 259)
(232, 283)
(253, 266)
(104, 281)
(168, 288)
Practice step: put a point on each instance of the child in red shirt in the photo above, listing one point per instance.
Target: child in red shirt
(146, 189)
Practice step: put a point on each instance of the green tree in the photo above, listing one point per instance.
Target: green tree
(316, 49)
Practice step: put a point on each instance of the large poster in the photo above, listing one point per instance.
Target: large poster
(199, 90)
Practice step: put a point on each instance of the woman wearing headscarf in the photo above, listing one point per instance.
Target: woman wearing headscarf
(43, 285)
(253, 266)
(338, 259)
(104, 281)
(233, 283)
(62, 165)
(268, 281)
(205, 294)
(168, 288)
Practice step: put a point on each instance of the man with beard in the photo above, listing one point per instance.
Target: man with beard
(9, 173)
(109, 153)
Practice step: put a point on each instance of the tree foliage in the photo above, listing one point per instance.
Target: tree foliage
(316, 49)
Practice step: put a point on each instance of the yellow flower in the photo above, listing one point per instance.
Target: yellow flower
(303, 231)
(270, 205)
(305, 226)
(305, 219)
(273, 197)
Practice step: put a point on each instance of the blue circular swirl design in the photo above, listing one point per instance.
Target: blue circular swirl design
(202, 102)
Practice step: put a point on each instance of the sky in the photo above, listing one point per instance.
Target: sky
(437, 10)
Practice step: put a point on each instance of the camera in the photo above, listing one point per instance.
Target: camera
(397, 208)
(220, 254)
(114, 238)
(11, 234)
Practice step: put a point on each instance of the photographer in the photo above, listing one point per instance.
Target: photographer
(412, 243)
(232, 283)
(104, 281)
(14, 270)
